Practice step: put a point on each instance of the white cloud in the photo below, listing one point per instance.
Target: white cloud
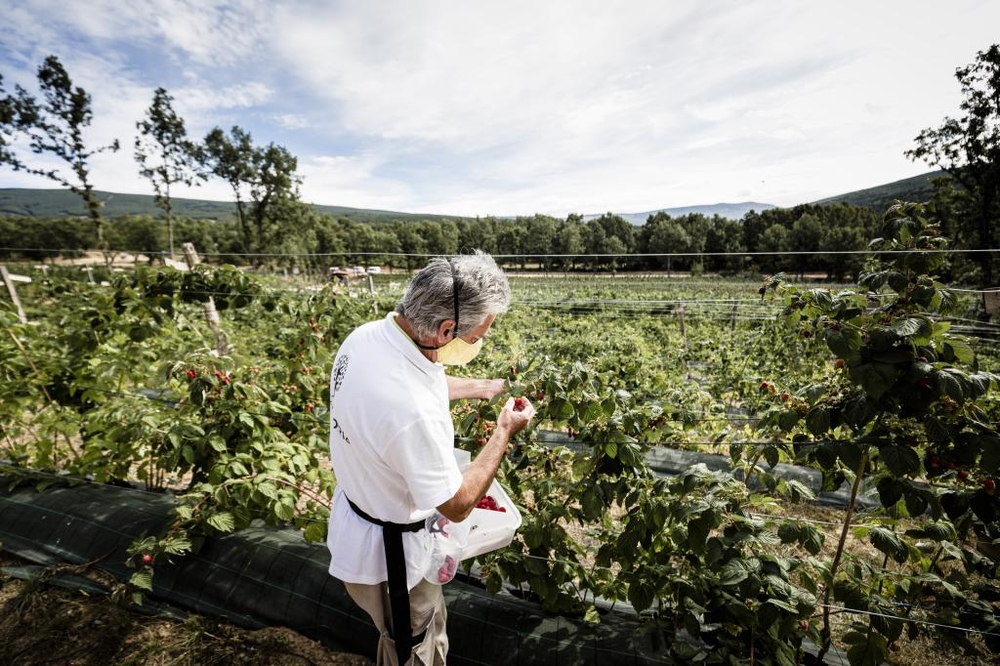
(204, 97)
(291, 120)
(522, 107)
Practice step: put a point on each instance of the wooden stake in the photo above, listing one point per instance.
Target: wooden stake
(680, 318)
(211, 314)
(9, 281)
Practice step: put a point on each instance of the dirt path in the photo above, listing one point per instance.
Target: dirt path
(41, 623)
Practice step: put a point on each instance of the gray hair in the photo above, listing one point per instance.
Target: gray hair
(429, 299)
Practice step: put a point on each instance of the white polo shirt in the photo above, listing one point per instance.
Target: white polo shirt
(391, 444)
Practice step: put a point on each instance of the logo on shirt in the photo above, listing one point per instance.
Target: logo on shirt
(339, 370)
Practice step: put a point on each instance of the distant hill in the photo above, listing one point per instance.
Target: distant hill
(63, 203)
(917, 189)
(733, 211)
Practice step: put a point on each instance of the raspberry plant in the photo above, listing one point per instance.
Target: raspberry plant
(902, 411)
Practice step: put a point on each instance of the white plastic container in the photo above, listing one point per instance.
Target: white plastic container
(489, 530)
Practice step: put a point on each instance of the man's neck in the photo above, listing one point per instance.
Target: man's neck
(407, 328)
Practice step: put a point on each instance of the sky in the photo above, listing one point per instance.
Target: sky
(520, 107)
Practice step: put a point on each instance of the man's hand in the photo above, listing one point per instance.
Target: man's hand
(515, 415)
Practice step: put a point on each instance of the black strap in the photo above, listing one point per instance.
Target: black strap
(399, 594)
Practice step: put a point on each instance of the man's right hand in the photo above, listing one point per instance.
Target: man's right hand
(515, 415)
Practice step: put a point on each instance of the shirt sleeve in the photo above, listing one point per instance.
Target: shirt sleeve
(422, 453)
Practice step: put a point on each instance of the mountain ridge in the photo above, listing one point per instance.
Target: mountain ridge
(58, 202)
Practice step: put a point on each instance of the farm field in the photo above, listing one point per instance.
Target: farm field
(888, 392)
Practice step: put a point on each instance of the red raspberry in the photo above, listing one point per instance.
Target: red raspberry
(520, 404)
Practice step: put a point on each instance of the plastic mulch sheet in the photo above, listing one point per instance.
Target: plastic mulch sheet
(272, 577)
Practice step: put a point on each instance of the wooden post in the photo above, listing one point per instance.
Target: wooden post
(991, 301)
(680, 318)
(211, 314)
(732, 318)
(8, 280)
(371, 292)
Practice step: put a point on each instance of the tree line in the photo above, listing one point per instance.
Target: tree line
(817, 239)
(273, 226)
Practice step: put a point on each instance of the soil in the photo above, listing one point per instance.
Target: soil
(41, 623)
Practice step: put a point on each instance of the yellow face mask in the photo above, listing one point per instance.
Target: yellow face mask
(458, 351)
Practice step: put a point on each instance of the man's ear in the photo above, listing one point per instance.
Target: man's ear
(445, 329)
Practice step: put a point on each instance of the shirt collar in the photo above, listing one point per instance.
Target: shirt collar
(408, 348)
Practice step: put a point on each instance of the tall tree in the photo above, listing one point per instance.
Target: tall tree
(263, 181)
(724, 242)
(165, 155)
(804, 240)
(665, 237)
(56, 126)
(8, 126)
(541, 229)
(968, 149)
(567, 243)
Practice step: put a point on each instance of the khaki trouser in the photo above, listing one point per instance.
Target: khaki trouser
(427, 613)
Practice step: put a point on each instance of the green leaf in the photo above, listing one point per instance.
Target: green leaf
(533, 537)
(850, 453)
(799, 492)
(698, 531)
(284, 512)
(814, 541)
(818, 421)
(222, 521)
(875, 378)
(889, 543)
(951, 382)
(176, 545)
(640, 594)
(911, 326)
(843, 342)
(783, 605)
(142, 580)
(315, 531)
(890, 491)
(560, 409)
(858, 412)
(960, 350)
(787, 419)
(734, 572)
(268, 490)
(900, 460)
(592, 503)
(936, 430)
(990, 460)
(872, 652)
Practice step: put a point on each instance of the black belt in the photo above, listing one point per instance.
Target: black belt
(399, 594)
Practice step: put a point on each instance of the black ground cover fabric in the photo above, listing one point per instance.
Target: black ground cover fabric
(271, 577)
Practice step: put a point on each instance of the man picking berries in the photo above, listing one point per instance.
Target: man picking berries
(391, 445)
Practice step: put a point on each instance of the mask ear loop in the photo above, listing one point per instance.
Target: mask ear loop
(454, 293)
